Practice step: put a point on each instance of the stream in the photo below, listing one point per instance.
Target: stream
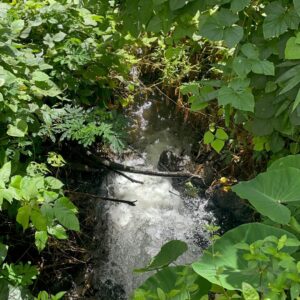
(128, 237)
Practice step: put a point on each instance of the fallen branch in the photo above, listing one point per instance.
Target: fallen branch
(121, 167)
(132, 203)
(91, 162)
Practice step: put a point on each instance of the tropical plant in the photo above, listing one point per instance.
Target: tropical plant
(255, 260)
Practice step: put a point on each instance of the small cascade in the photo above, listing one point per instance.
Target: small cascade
(129, 236)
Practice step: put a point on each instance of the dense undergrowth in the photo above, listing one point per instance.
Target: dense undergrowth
(68, 68)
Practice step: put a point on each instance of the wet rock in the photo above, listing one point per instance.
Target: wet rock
(229, 210)
(169, 161)
(111, 291)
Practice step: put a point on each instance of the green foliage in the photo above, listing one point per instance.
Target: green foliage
(269, 192)
(75, 123)
(259, 260)
(216, 138)
(258, 76)
(168, 254)
(179, 282)
(224, 264)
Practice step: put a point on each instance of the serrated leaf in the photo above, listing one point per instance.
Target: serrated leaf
(5, 172)
(53, 183)
(58, 231)
(30, 186)
(249, 292)
(220, 26)
(41, 238)
(23, 216)
(274, 24)
(237, 95)
(64, 211)
(38, 220)
(263, 67)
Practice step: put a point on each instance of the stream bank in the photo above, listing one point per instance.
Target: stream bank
(117, 238)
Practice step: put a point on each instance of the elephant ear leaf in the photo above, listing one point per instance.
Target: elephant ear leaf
(228, 267)
(290, 161)
(270, 190)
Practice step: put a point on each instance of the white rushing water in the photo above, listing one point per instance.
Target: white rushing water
(130, 236)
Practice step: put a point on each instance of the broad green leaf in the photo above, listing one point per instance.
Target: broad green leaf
(58, 231)
(17, 26)
(228, 267)
(58, 37)
(221, 134)
(23, 216)
(297, 6)
(249, 292)
(168, 253)
(238, 5)
(176, 4)
(41, 238)
(290, 161)
(208, 137)
(233, 35)
(18, 130)
(218, 145)
(161, 295)
(30, 186)
(38, 220)
(269, 190)
(190, 87)
(220, 26)
(263, 67)
(64, 211)
(155, 24)
(292, 49)
(237, 95)
(39, 76)
(250, 51)
(53, 183)
(5, 172)
(241, 66)
(278, 20)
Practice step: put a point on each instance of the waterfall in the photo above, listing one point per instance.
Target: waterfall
(129, 236)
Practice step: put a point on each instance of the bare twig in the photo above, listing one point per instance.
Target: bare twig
(132, 203)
